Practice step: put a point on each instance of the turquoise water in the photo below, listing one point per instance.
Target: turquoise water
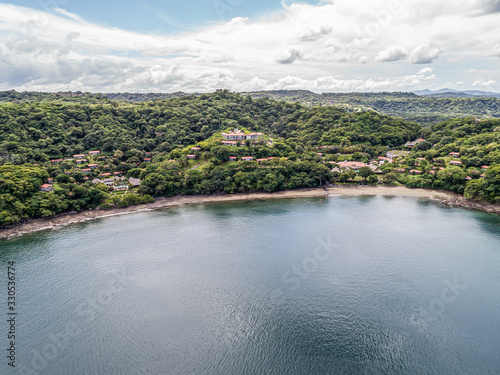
(340, 286)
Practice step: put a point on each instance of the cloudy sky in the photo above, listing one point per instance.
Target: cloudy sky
(242, 45)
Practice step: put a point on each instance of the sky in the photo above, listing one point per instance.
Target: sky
(249, 45)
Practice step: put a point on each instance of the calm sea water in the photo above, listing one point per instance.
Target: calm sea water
(340, 286)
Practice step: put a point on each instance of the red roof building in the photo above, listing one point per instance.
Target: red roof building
(46, 187)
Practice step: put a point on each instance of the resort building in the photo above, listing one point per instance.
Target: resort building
(135, 182)
(238, 135)
(93, 153)
(355, 165)
(254, 135)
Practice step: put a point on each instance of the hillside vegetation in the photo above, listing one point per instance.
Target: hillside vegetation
(75, 151)
(422, 109)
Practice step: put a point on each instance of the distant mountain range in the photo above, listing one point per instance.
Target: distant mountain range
(451, 93)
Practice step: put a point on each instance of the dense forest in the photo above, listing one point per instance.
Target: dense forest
(424, 110)
(76, 151)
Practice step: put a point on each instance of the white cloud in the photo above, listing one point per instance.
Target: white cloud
(394, 53)
(484, 83)
(425, 70)
(290, 56)
(424, 54)
(337, 45)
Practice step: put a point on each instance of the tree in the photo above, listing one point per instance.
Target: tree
(365, 172)
(390, 178)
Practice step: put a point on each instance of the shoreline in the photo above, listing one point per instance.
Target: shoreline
(60, 220)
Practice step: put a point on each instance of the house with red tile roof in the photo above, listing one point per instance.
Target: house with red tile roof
(195, 149)
(191, 156)
(247, 158)
(78, 156)
(455, 162)
(355, 165)
(95, 152)
(147, 160)
(233, 158)
(93, 166)
(80, 161)
(55, 161)
(46, 187)
(86, 170)
(454, 154)
(229, 143)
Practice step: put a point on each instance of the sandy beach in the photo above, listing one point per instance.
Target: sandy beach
(60, 220)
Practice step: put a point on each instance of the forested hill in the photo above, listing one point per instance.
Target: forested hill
(422, 109)
(75, 151)
(425, 110)
(38, 131)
